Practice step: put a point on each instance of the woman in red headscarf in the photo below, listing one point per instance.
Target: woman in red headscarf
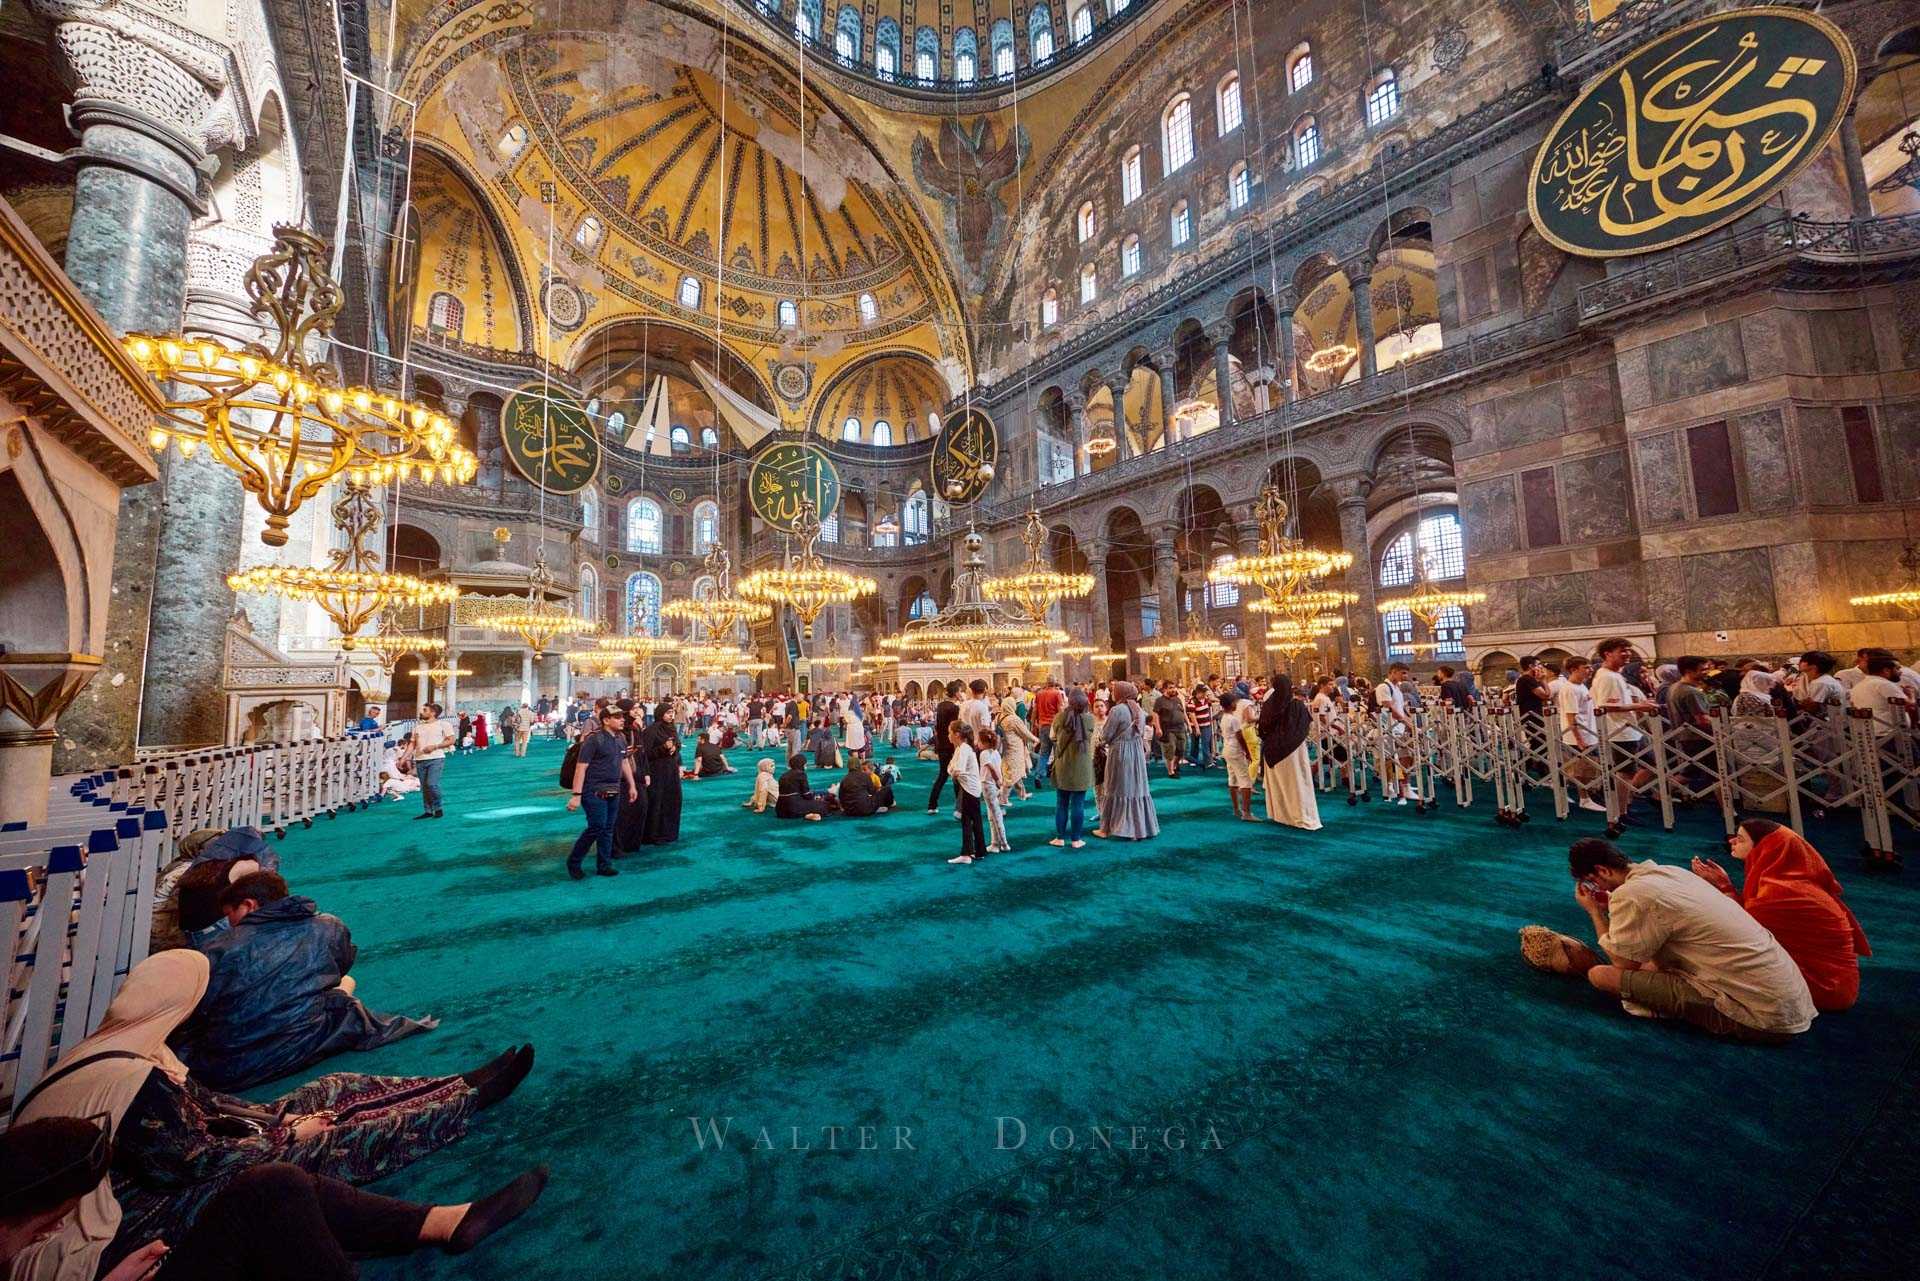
(1790, 889)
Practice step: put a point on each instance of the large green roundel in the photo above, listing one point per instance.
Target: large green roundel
(1690, 131)
(786, 474)
(965, 456)
(549, 439)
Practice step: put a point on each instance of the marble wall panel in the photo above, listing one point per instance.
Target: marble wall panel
(1596, 497)
(1665, 584)
(1797, 586)
(1530, 416)
(1765, 338)
(1589, 399)
(1842, 341)
(1661, 479)
(1901, 426)
(1500, 612)
(1636, 383)
(1487, 511)
(1769, 467)
(1730, 590)
(1617, 595)
(1555, 600)
(1692, 364)
(1906, 315)
(1823, 444)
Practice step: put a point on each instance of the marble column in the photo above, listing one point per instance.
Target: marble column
(1122, 439)
(1289, 373)
(452, 699)
(1359, 639)
(1360, 275)
(528, 691)
(1166, 578)
(1222, 335)
(1097, 606)
(1077, 418)
(422, 688)
(1858, 190)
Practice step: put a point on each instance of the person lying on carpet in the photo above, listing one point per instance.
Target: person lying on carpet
(49, 1168)
(181, 1144)
(861, 793)
(708, 760)
(1677, 948)
(1788, 888)
(797, 798)
(279, 997)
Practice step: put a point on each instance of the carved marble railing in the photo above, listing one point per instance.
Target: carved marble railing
(1594, 44)
(767, 546)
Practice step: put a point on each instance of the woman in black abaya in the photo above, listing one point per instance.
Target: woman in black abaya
(630, 829)
(659, 760)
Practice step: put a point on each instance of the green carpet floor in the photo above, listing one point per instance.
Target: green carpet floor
(1367, 1080)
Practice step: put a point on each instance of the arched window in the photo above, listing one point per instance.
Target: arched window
(1440, 547)
(926, 54)
(1227, 103)
(643, 605)
(1050, 308)
(709, 438)
(690, 292)
(966, 56)
(789, 313)
(850, 429)
(1180, 223)
(1383, 99)
(1089, 283)
(1300, 67)
(923, 606)
(680, 438)
(586, 592)
(1130, 256)
(1398, 624)
(1176, 134)
(616, 424)
(916, 518)
(512, 142)
(1117, 6)
(1083, 23)
(886, 48)
(869, 309)
(830, 527)
(706, 526)
(846, 35)
(1222, 595)
(882, 432)
(645, 528)
(445, 313)
(1000, 48)
(1039, 35)
(1450, 633)
(806, 19)
(587, 234)
(1083, 225)
(1306, 143)
(1239, 186)
(1130, 183)
(590, 514)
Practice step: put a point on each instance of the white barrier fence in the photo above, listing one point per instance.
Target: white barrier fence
(1786, 768)
(77, 891)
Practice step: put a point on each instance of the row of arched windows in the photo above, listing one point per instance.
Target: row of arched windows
(890, 59)
(646, 527)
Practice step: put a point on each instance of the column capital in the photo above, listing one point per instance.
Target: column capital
(1220, 332)
(1358, 268)
(1349, 491)
(1285, 300)
(1095, 550)
(1165, 538)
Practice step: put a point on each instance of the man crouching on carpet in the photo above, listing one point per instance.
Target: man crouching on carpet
(601, 774)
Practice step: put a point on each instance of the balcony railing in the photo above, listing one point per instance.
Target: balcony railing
(768, 545)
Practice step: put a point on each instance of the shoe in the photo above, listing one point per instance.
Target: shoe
(1079, 845)
(491, 1213)
(933, 809)
(1057, 843)
(494, 1081)
(573, 872)
(1401, 801)
(1588, 803)
(883, 809)
(608, 870)
(964, 858)
(418, 817)
(439, 813)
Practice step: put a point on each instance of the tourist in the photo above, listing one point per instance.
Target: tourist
(1233, 750)
(1047, 702)
(522, 729)
(1017, 745)
(658, 754)
(1456, 688)
(708, 760)
(1818, 691)
(1878, 693)
(1789, 888)
(1397, 746)
(1126, 804)
(963, 763)
(279, 997)
(992, 790)
(766, 788)
(178, 1145)
(1530, 687)
(431, 739)
(602, 774)
(50, 1167)
(1070, 750)
(826, 752)
(1169, 723)
(797, 798)
(480, 739)
(1678, 948)
(1201, 710)
(854, 730)
(943, 718)
(396, 770)
(861, 793)
(1285, 724)
(463, 735)
(1580, 733)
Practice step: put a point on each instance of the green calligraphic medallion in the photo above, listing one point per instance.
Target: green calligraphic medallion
(549, 439)
(965, 456)
(786, 474)
(1691, 131)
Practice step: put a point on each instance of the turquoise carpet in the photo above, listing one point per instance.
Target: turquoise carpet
(1267, 1053)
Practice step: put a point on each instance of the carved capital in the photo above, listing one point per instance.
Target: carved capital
(1358, 269)
(36, 688)
(1286, 300)
(1220, 332)
(147, 73)
(1349, 490)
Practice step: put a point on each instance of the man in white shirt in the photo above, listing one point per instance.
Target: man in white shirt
(1681, 949)
(1398, 757)
(1573, 706)
(1851, 676)
(976, 713)
(1880, 693)
(1622, 703)
(431, 739)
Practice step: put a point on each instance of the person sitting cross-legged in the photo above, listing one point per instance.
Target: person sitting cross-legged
(279, 997)
(797, 798)
(1679, 948)
(708, 760)
(861, 793)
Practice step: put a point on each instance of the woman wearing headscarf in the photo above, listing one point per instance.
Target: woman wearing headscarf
(1284, 724)
(826, 752)
(853, 729)
(1072, 731)
(178, 1144)
(1789, 888)
(1017, 741)
(766, 788)
(1126, 806)
(797, 798)
(659, 760)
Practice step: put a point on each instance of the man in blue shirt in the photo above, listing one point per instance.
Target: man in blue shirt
(601, 775)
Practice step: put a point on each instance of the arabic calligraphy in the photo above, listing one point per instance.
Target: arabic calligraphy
(549, 439)
(785, 476)
(965, 457)
(1691, 131)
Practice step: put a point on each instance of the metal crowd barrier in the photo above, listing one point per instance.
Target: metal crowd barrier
(1790, 768)
(266, 785)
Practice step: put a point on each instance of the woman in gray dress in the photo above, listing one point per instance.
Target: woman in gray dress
(1126, 806)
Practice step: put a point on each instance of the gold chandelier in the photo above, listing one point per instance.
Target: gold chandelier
(601, 663)
(1283, 565)
(806, 584)
(1109, 656)
(721, 613)
(538, 621)
(389, 644)
(1906, 597)
(1074, 651)
(351, 588)
(1037, 587)
(1302, 605)
(640, 646)
(280, 420)
(1427, 602)
(834, 658)
(1332, 357)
